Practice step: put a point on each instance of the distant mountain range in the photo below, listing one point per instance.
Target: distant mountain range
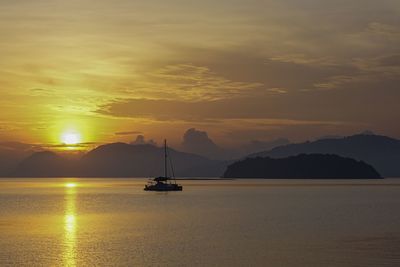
(46, 164)
(142, 160)
(124, 160)
(382, 152)
(312, 166)
(11, 153)
(118, 160)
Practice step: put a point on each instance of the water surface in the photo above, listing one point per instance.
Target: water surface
(113, 222)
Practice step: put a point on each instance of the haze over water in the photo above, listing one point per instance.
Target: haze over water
(98, 222)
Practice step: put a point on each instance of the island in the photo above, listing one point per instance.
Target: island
(303, 166)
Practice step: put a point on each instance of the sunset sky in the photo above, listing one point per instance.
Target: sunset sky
(240, 69)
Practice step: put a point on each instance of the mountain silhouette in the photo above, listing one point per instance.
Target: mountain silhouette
(200, 143)
(8, 161)
(45, 164)
(11, 153)
(118, 160)
(314, 166)
(257, 146)
(125, 160)
(382, 152)
(139, 160)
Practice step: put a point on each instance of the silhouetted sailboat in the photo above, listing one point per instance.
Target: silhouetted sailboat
(164, 183)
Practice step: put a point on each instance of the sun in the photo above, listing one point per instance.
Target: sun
(70, 185)
(71, 138)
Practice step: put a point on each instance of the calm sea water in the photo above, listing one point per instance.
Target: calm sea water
(113, 222)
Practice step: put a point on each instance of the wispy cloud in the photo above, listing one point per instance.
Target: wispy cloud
(189, 82)
(128, 133)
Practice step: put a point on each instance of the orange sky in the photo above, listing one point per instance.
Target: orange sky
(240, 70)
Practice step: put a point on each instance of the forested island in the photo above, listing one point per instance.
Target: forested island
(304, 166)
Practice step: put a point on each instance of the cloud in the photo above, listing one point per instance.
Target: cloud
(128, 133)
(198, 142)
(188, 82)
(369, 70)
(383, 30)
(287, 71)
(79, 145)
(42, 92)
(392, 60)
(303, 59)
(258, 110)
(141, 140)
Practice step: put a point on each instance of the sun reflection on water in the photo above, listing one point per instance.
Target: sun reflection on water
(70, 225)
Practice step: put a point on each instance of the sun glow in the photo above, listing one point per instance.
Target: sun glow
(70, 185)
(71, 138)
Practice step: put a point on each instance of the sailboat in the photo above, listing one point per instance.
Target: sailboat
(164, 183)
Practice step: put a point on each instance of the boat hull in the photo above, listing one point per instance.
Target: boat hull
(163, 187)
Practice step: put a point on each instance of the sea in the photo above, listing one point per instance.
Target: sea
(244, 222)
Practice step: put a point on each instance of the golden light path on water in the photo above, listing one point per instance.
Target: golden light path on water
(70, 225)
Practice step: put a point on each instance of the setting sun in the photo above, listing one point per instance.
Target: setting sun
(71, 138)
(70, 185)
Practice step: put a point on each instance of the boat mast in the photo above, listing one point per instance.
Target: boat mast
(165, 159)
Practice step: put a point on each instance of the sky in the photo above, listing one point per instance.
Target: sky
(240, 70)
